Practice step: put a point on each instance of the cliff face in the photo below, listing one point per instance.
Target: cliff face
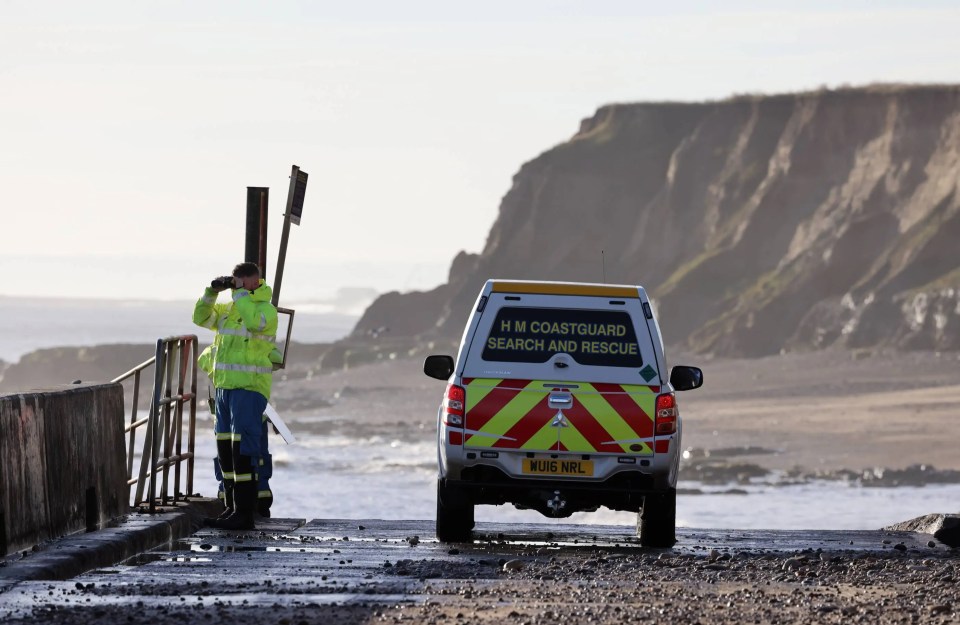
(757, 223)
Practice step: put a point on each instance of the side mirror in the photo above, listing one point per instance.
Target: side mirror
(439, 367)
(684, 378)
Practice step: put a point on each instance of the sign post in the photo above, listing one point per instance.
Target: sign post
(295, 195)
(298, 189)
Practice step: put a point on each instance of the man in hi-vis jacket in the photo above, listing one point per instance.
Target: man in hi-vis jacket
(264, 470)
(243, 353)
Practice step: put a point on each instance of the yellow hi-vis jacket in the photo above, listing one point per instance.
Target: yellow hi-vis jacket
(244, 349)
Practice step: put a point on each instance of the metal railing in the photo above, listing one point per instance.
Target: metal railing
(175, 367)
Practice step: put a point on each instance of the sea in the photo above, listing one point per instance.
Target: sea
(321, 476)
(33, 323)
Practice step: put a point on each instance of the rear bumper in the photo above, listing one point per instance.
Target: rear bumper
(625, 490)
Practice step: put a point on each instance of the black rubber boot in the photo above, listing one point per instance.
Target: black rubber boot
(264, 503)
(244, 497)
(227, 499)
(227, 502)
(245, 501)
(225, 453)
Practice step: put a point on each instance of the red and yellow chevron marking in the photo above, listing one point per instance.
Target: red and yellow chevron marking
(604, 418)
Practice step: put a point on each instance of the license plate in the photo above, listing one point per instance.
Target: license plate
(551, 466)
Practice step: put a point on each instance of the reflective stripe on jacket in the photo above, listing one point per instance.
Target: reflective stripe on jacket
(245, 344)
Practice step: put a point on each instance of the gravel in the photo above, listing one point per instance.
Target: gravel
(316, 576)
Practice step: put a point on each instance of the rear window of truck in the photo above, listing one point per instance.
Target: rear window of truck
(604, 338)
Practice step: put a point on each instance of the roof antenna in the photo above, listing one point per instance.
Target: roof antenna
(603, 265)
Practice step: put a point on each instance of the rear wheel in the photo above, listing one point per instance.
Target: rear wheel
(454, 515)
(657, 522)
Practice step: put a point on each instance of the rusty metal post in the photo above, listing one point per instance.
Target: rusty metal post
(262, 259)
(133, 420)
(167, 442)
(151, 444)
(178, 415)
(255, 249)
(193, 413)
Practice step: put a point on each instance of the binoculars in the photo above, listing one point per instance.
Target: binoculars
(223, 282)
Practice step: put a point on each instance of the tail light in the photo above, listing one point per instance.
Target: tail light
(453, 405)
(666, 419)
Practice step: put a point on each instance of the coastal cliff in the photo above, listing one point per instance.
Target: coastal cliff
(758, 224)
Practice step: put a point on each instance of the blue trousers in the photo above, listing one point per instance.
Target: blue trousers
(241, 431)
(240, 412)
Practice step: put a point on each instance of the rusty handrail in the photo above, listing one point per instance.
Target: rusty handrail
(175, 366)
(143, 365)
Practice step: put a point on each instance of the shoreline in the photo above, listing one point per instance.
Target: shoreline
(820, 412)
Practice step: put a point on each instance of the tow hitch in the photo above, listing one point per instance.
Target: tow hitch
(557, 503)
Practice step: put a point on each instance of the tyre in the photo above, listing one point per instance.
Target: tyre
(454, 515)
(657, 522)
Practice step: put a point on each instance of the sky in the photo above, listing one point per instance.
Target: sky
(129, 131)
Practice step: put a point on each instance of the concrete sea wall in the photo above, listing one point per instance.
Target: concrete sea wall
(62, 462)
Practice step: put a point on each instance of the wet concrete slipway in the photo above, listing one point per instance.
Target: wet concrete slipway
(290, 571)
